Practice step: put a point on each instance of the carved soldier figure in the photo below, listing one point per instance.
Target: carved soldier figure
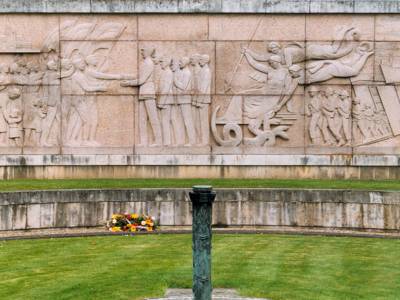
(314, 110)
(166, 99)
(344, 110)
(331, 121)
(13, 115)
(359, 120)
(196, 69)
(183, 89)
(147, 98)
(203, 99)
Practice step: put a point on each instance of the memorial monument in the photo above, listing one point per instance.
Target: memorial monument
(208, 94)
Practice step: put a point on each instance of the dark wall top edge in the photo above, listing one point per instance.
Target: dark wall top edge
(202, 6)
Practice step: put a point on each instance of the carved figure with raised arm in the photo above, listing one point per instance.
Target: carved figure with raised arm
(147, 98)
(83, 121)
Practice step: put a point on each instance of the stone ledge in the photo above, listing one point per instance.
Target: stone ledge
(339, 209)
(200, 6)
(199, 160)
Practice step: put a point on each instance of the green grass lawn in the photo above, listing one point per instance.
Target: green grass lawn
(274, 266)
(29, 184)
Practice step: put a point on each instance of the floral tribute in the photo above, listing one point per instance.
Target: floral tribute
(131, 222)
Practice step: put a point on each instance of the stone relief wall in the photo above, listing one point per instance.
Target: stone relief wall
(199, 84)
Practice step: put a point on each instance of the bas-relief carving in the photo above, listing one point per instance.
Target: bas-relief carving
(174, 88)
(174, 99)
(281, 70)
(329, 110)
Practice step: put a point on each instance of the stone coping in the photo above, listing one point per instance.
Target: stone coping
(200, 6)
(181, 194)
(199, 160)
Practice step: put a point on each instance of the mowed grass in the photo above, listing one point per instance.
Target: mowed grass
(272, 266)
(36, 184)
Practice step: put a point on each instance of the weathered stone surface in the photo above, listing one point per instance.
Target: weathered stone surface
(217, 90)
(212, 6)
(233, 207)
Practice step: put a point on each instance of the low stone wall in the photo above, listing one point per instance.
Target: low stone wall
(233, 207)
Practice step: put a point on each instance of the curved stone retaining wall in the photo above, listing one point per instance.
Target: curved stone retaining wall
(233, 207)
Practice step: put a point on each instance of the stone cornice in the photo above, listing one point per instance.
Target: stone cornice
(200, 6)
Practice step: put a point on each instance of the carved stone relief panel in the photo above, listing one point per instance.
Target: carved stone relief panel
(98, 124)
(97, 67)
(30, 88)
(376, 121)
(258, 68)
(98, 28)
(174, 97)
(329, 119)
(325, 27)
(173, 27)
(264, 81)
(28, 33)
(198, 84)
(387, 28)
(257, 28)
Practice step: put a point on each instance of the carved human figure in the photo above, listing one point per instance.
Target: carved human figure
(203, 99)
(343, 44)
(349, 66)
(330, 122)
(195, 64)
(51, 98)
(4, 81)
(359, 120)
(13, 114)
(32, 122)
(183, 90)
(261, 109)
(276, 74)
(344, 110)
(83, 118)
(166, 100)
(314, 110)
(273, 48)
(92, 70)
(147, 98)
(291, 84)
(382, 126)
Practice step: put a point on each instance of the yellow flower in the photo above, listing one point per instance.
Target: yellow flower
(115, 229)
(134, 216)
(133, 228)
(151, 224)
(149, 228)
